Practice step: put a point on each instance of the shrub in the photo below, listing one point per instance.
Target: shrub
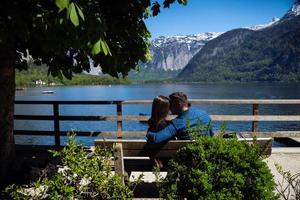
(217, 168)
(289, 187)
(83, 175)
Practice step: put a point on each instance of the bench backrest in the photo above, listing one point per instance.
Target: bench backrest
(141, 148)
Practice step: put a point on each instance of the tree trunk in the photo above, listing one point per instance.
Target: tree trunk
(7, 98)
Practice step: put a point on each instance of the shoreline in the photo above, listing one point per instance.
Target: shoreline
(23, 87)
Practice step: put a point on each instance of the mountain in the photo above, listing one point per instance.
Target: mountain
(271, 53)
(294, 11)
(171, 54)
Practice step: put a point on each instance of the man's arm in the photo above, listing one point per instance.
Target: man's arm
(161, 136)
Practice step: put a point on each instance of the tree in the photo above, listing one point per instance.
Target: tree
(67, 35)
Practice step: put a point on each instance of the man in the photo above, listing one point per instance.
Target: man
(179, 105)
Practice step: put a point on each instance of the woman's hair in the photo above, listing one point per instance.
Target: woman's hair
(160, 110)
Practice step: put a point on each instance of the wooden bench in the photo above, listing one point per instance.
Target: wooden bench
(137, 155)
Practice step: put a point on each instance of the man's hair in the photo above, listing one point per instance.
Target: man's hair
(177, 99)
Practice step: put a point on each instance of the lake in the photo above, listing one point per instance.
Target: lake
(149, 91)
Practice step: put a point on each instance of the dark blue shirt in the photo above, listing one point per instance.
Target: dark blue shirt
(177, 127)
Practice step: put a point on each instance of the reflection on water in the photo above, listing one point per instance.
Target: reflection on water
(138, 92)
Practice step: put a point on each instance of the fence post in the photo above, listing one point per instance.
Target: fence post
(119, 120)
(56, 124)
(255, 123)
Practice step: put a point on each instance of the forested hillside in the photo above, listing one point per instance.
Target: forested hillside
(39, 73)
(269, 54)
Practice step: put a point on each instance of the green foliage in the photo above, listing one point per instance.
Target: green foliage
(73, 14)
(83, 175)
(100, 46)
(51, 33)
(217, 168)
(84, 79)
(66, 34)
(153, 75)
(27, 78)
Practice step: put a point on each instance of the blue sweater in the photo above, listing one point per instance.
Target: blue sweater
(177, 127)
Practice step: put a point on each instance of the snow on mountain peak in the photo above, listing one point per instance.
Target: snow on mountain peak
(262, 26)
(201, 37)
(295, 10)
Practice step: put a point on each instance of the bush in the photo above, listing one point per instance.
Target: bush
(289, 187)
(83, 176)
(217, 168)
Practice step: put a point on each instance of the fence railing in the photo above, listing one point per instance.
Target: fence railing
(119, 117)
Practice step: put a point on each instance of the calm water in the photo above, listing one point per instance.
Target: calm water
(138, 92)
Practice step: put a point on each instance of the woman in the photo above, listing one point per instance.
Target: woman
(160, 111)
(157, 121)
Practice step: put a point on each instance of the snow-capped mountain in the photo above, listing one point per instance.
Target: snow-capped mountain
(294, 11)
(270, 54)
(262, 26)
(174, 52)
(201, 37)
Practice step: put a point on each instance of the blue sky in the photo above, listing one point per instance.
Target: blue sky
(215, 16)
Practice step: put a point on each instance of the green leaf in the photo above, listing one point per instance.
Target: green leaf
(62, 4)
(80, 12)
(101, 46)
(105, 47)
(184, 2)
(96, 48)
(73, 15)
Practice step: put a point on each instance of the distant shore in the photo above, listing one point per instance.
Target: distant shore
(174, 81)
(23, 81)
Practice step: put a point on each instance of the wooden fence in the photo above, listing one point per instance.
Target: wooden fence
(119, 118)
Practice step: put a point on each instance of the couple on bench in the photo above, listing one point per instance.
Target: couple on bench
(160, 130)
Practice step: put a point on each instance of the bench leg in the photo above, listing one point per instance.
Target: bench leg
(119, 161)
